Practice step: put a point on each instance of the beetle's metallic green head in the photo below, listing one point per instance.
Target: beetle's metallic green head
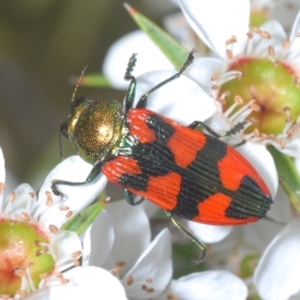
(93, 127)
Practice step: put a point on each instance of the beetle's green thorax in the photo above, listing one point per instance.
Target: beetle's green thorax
(94, 127)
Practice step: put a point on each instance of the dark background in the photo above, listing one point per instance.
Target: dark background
(43, 43)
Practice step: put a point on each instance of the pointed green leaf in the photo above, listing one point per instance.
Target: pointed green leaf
(288, 175)
(82, 221)
(173, 50)
(91, 80)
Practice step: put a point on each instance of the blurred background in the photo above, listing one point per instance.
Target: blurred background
(43, 44)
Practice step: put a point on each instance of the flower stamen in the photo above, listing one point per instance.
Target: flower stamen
(118, 267)
(130, 281)
(64, 281)
(238, 100)
(69, 214)
(271, 51)
(288, 116)
(266, 35)
(20, 292)
(229, 54)
(286, 44)
(232, 40)
(293, 130)
(64, 207)
(25, 217)
(49, 200)
(53, 229)
(42, 251)
(147, 289)
(2, 187)
(11, 197)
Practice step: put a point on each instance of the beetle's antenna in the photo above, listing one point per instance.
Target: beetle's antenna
(60, 146)
(78, 82)
(60, 149)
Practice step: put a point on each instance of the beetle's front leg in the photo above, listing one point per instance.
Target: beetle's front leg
(234, 130)
(91, 177)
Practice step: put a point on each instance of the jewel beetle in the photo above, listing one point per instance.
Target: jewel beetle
(185, 172)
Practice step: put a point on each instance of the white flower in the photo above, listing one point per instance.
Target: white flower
(116, 59)
(35, 266)
(84, 282)
(270, 44)
(76, 198)
(207, 285)
(119, 241)
(276, 276)
(235, 47)
(284, 11)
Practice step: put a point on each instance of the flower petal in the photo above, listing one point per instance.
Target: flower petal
(153, 269)
(277, 274)
(204, 17)
(203, 69)
(24, 201)
(281, 210)
(178, 27)
(294, 49)
(260, 45)
(98, 240)
(284, 12)
(209, 285)
(77, 198)
(209, 233)
(149, 208)
(65, 244)
(259, 234)
(291, 146)
(86, 283)
(132, 233)
(181, 100)
(149, 57)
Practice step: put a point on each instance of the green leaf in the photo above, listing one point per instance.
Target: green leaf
(82, 221)
(91, 80)
(173, 50)
(288, 176)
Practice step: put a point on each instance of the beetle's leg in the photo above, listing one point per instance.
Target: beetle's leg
(202, 247)
(130, 200)
(129, 98)
(92, 175)
(210, 130)
(235, 129)
(143, 100)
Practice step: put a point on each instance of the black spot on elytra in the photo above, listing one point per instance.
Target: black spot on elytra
(200, 179)
(154, 159)
(248, 201)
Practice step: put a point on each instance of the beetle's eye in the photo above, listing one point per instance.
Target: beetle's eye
(77, 101)
(64, 129)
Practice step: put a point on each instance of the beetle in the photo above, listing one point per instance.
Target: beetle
(184, 171)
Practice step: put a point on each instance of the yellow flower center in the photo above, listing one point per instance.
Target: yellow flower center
(273, 88)
(23, 256)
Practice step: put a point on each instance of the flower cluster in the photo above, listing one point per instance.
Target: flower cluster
(251, 74)
(246, 73)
